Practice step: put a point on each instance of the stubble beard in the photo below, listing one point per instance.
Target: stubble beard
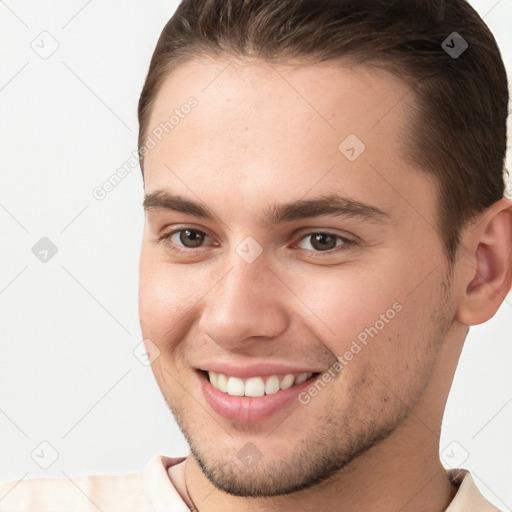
(327, 447)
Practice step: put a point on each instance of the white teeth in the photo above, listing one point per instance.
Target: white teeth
(235, 386)
(287, 382)
(222, 383)
(301, 378)
(272, 385)
(255, 386)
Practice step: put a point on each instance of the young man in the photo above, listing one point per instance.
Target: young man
(325, 218)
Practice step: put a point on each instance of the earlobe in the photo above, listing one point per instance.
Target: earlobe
(487, 265)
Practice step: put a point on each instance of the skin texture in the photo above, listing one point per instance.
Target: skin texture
(265, 134)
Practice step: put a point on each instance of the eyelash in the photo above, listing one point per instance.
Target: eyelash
(347, 243)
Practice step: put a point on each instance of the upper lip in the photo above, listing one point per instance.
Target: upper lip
(260, 369)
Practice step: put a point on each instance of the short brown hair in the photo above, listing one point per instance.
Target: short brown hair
(458, 131)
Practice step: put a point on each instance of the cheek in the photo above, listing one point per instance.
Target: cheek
(371, 320)
(166, 294)
(347, 303)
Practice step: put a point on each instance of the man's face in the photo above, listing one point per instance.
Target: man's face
(266, 287)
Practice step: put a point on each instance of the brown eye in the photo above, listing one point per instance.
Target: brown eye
(319, 242)
(323, 241)
(191, 238)
(182, 242)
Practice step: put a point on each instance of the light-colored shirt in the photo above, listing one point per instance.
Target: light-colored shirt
(159, 488)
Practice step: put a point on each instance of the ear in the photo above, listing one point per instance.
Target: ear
(485, 270)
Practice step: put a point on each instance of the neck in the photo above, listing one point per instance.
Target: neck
(401, 472)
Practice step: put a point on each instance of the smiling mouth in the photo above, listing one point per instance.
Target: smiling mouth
(255, 386)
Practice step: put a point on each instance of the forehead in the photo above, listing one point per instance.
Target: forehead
(282, 130)
(331, 97)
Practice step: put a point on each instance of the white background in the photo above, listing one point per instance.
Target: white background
(68, 327)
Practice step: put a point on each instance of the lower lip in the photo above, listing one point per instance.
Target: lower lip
(247, 409)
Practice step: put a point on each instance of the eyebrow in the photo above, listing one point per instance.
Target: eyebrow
(332, 205)
(161, 200)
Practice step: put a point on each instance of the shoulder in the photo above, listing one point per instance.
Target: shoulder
(80, 494)
(468, 497)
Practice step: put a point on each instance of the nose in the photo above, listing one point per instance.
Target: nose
(247, 303)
